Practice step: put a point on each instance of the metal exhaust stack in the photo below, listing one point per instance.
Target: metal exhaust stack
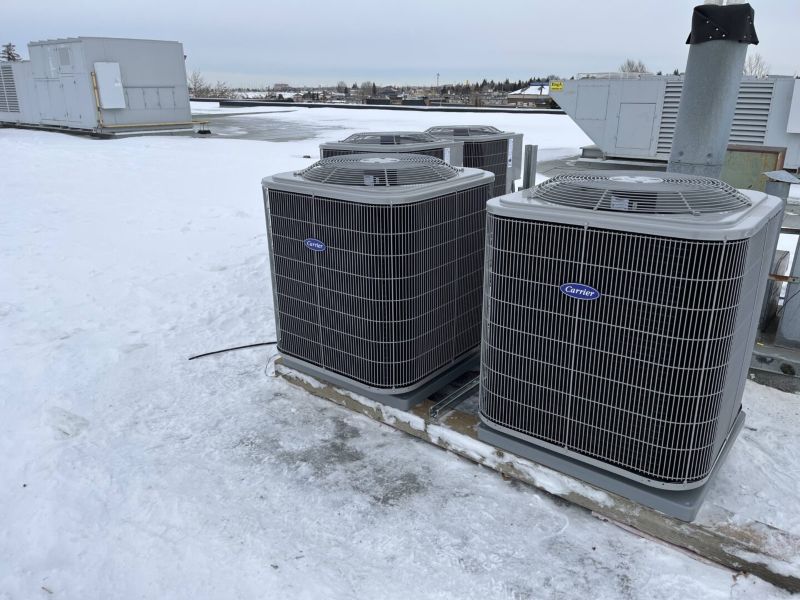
(718, 47)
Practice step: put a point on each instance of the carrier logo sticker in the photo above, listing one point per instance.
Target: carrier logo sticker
(580, 291)
(636, 179)
(315, 245)
(556, 86)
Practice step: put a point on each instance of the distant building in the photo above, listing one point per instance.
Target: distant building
(280, 87)
(537, 94)
(389, 92)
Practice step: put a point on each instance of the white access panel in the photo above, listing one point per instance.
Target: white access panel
(109, 85)
(794, 111)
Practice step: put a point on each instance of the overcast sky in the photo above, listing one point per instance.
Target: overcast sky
(249, 42)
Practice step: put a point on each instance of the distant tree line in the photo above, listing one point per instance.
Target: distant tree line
(494, 86)
(754, 65)
(633, 66)
(200, 88)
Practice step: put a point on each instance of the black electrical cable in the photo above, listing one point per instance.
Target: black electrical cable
(234, 348)
(785, 302)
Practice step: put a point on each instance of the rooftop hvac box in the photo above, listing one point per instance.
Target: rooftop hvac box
(103, 85)
(620, 314)
(407, 142)
(633, 116)
(377, 271)
(488, 148)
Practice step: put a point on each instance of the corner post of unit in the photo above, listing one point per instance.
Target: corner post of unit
(529, 174)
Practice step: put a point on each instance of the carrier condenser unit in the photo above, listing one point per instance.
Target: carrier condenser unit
(620, 313)
(377, 271)
(407, 142)
(488, 148)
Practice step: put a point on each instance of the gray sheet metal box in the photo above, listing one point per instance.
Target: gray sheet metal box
(633, 116)
(136, 83)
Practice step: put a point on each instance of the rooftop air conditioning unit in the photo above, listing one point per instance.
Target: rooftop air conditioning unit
(407, 142)
(488, 148)
(620, 313)
(377, 271)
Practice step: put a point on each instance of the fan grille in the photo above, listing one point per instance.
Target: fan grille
(395, 295)
(464, 131)
(369, 170)
(390, 138)
(329, 152)
(638, 378)
(633, 191)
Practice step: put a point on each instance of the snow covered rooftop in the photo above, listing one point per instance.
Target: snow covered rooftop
(533, 90)
(131, 472)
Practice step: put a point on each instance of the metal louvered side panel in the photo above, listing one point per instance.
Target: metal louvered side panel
(752, 112)
(8, 90)
(490, 156)
(749, 121)
(669, 116)
(328, 152)
(434, 152)
(633, 380)
(396, 294)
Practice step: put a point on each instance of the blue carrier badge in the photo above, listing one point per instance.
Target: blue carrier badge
(315, 245)
(580, 291)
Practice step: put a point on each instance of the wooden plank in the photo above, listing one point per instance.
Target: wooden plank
(748, 546)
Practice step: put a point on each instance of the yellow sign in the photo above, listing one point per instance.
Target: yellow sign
(556, 86)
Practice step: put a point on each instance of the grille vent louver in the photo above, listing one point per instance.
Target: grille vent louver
(8, 90)
(328, 152)
(485, 147)
(669, 115)
(465, 131)
(410, 142)
(635, 379)
(390, 138)
(624, 191)
(395, 296)
(752, 112)
(379, 170)
(622, 341)
(749, 121)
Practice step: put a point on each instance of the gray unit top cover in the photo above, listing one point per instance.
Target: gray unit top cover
(666, 204)
(379, 179)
